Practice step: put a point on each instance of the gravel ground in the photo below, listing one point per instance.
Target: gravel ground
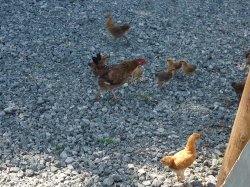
(53, 131)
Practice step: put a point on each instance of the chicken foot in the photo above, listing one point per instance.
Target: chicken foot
(98, 95)
(113, 95)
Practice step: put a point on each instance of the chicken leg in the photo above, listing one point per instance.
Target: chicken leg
(180, 175)
(113, 95)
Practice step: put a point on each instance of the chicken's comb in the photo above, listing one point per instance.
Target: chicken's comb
(143, 61)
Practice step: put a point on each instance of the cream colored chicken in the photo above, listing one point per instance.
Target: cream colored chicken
(184, 158)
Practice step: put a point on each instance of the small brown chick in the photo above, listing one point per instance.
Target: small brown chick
(171, 65)
(188, 68)
(177, 65)
(180, 161)
(238, 87)
(163, 77)
(117, 31)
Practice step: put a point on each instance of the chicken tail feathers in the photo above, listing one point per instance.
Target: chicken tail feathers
(97, 59)
(98, 56)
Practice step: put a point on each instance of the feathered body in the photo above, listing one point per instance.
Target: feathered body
(171, 66)
(187, 67)
(117, 74)
(116, 30)
(177, 65)
(184, 158)
(98, 64)
(163, 76)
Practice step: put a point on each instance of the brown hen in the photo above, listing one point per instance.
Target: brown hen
(116, 75)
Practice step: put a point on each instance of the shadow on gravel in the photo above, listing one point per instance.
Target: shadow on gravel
(94, 147)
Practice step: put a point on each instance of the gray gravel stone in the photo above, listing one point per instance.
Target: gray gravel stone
(69, 160)
(108, 181)
(156, 182)
(53, 169)
(218, 152)
(10, 109)
(14, 169)
(63, 155)
(146, 183)
(29, 172)
(61, 177)
(20, 174)
(131, 166)
(117, 178)
(161, 130)
(141, 171)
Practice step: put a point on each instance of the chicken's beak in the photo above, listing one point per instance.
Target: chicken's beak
(161, 160)
(202, 137)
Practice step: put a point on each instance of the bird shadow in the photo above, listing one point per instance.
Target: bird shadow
(197, 183)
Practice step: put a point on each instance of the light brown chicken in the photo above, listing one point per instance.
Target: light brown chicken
(163, 77)
(187, 67)
(184, 158)
(98, 64)
(116, 30)
(116, 75)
